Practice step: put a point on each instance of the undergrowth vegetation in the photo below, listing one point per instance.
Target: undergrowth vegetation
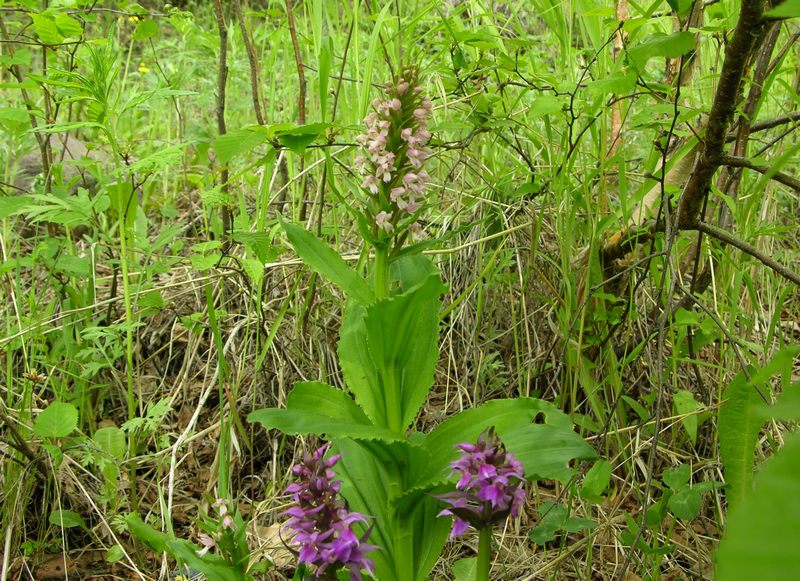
(523, 272)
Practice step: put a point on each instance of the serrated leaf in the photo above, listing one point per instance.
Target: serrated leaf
(259, 243)
(545, 105)
(254, 269)
(10, 205)
(58, 420)
(152, 299)
(203, 262)
(67, 25)
(46, 29)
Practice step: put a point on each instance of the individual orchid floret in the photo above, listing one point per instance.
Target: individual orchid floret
(490, 487)
(394, 151)
(208, 543)
(321, 523)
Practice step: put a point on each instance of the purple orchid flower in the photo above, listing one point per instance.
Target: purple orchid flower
(321, 523)
(491, 485)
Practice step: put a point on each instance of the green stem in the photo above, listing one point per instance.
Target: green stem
(381, 272)
(402, 534)
(484, 554)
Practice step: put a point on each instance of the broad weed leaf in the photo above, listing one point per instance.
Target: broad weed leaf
(57, 420)
(763, 528)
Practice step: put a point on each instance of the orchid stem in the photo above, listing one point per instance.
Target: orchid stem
(381, 272)
(484, 554)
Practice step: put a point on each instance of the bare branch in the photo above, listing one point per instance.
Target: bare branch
(737, 54)
(783, 178)
(728, 238)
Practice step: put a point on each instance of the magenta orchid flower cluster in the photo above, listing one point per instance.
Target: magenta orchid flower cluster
(322, 525)
(394, 151)
(491, 486)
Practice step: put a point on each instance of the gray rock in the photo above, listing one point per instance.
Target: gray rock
(68, 151)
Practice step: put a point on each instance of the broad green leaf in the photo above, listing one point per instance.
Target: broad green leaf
(298, 138)
(619, 83)
(677, 478)
(10, 205)
(358, 368)
(465, 569)
(402, 337)
(259, 243)
(203, 262)
(254, 269)
(763, 529)
(57, 420)
(660, 45)
(153, 538)
(686, 503)
(67, 25)
(555, 518)
(295, 422)
(681, 7)
(367, 483)
(315, 396)
(114, 554)
(545, 105)
(323, 260)
(111, 441)
(67, 519)
(46, 29)
(388, 352)
(238, 142)
(786, 9)
(317, 408)
(781, 362)
(210, 565)
(738, 424)
(787, 408)
(596, 481)
(686, 404)
(545, 451)
(145, 29)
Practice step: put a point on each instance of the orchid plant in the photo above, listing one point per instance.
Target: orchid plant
(388, 350)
